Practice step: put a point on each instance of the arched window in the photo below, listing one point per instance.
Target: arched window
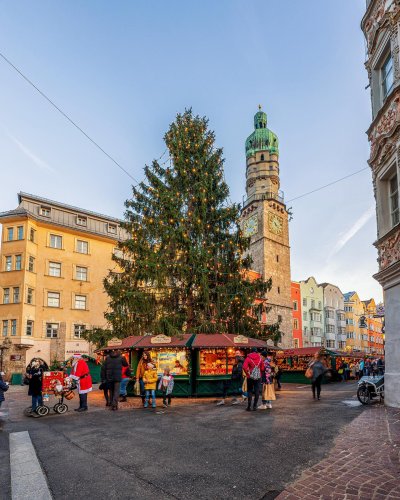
(262, 157)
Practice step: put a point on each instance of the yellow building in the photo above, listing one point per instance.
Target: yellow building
(376, 339)
(356, 329)
(53, 260)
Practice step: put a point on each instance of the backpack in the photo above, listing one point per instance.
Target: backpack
(255, 373)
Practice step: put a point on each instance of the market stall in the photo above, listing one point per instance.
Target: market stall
(168, 352)
(213, 356)
(293, 362)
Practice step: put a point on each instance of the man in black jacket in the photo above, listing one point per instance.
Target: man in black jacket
(111, 375)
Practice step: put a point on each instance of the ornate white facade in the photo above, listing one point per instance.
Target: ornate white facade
(381, 27)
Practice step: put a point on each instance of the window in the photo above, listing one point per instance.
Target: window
(112, 228)
(262, 158)
(296, 324)
(305, 331)
(45, 211)
(10, 233)
(53, 299)
(350, 335)
(55, 269)
(6, 296)
(394, 200)
(51, 330)
(295, 305)
(81, 221)
(32, 235)
(81, 273)
(80, 301)
(342, 344)
(312, 303)
(279, 289)
(55, 241)
(16, 295)
(304, 316)
(330, 343)
(304, 302)
(387, 75)
(330, 329)
(20, 233)
(277, 258)
(18, 262)
(319, 304)
(295, 343)
(5, 327)
(29, 296)
(82, 246)
(8, 263)
(31, 264)
(13, 327)
(78, 331)
(29, 328)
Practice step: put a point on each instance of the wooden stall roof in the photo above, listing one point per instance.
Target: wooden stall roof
(145, 342)
(225, 340)
(300, 351)
(126, 343)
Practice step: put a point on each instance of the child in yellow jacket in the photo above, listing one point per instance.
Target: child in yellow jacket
(150, 383)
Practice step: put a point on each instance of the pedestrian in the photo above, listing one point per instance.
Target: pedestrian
(3, 387)
(278, 376)
(235, 382)
(166, 386)
(380, 366)
(140, 372)
(150, 383)
(318, 369)
(367, 367)
(35, 377)
(105, 386)
(125, 376)
(81, 374)
(355, 368)
(347, 371)
(253, 367)
(362, 367)
(112, 375)
(268, 392)
(341, 372)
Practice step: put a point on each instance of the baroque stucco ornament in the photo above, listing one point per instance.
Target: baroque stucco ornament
(389, 251)
(384, 128)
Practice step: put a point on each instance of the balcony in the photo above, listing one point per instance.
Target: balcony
(315, 339)
(330, 321)
(330, 336)
(262, 197)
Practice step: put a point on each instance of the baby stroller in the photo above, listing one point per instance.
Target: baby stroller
(58, 384)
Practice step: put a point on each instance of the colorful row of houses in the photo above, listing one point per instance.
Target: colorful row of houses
(324, 316)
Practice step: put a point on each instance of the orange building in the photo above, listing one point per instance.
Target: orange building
(374, 324)
(296, 315)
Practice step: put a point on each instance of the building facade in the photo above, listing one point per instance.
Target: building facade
(356, 326)
(374, 322)
(297, 315)
(381, 27)
(312, 300)
(265, 221)
(53, 260)
(334, 317)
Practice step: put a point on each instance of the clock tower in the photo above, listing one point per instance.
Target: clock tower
(265, 221)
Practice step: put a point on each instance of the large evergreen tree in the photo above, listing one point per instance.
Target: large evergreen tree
(183, 268)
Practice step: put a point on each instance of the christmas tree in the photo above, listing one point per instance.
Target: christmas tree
(183, 266)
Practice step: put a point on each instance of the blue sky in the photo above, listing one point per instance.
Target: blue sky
(123, 70)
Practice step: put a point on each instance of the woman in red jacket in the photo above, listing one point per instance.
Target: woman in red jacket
(253, 367)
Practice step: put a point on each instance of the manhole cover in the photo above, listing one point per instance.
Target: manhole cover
(351, 402)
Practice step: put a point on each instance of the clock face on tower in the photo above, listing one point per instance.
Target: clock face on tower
(250, 226)
(275, 223)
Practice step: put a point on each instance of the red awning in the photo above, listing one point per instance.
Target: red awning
(146, 342)
(225, 340)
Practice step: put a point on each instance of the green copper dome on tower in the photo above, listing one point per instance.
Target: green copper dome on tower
(262, 139)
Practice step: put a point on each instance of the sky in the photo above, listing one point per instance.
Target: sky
(123, 70)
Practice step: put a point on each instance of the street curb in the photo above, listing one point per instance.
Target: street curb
(27, 477)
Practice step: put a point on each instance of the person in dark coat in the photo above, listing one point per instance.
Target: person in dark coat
(3, 388)
(111, 374)
(35, 377)
(318, 368)
(236, 381)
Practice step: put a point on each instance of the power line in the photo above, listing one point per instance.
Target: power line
(327, 185)
(70, 119)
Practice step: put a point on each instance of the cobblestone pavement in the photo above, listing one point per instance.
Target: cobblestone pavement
(364, 462)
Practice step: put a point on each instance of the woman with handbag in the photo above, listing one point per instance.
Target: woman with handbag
(268, 391)
(316, 369)
(141, 368)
